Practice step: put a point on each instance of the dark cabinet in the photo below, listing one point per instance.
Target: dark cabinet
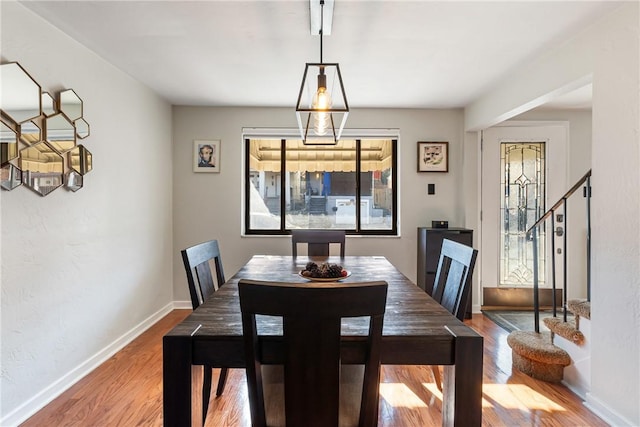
(429, 246)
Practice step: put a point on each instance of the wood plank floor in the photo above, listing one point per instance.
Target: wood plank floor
(127, 391)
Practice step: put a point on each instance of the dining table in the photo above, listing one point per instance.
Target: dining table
(417, 331)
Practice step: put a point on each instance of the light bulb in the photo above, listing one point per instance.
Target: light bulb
(321, 101)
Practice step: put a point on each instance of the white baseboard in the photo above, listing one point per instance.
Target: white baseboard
(182, 305)
(602, 410)
(44, 397)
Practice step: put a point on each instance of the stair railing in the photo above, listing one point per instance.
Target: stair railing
(532, 234)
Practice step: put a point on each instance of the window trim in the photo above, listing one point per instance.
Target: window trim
(283, 135)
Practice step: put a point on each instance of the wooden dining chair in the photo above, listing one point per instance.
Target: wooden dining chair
(452, 285)
(311, 315)
(318, 241)
(200, 259)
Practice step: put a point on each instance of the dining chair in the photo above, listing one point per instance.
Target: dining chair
(313, 391)
(318, 241)
(452, 285)
(200, 259)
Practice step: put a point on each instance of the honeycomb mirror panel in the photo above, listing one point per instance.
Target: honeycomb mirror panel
(30, 133)
(60, 133)
(10, 177)
(73, 181)
(82, 128)
(8, 143)
(70, 104)
(39, 134)
(48, 104)
(19, 93)
(80, 160)
(42, 168)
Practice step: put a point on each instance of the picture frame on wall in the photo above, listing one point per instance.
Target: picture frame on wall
(206, 155)
(433, 156)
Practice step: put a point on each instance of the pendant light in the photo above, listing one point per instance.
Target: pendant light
(322, 102)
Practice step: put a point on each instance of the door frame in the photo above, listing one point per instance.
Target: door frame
(549, 197)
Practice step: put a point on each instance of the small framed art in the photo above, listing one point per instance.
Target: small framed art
(206, 156)
(433, 157)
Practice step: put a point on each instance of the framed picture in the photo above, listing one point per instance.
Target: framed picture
(433, 157)
(206, 156)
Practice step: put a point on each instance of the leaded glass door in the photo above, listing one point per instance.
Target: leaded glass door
(523, 169)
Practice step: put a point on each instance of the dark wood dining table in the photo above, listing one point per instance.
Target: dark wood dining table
(417, 331)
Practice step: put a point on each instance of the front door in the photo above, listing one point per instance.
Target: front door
(524, 171)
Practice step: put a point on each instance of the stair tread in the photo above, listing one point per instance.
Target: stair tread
(580, 307)
(537, 346)
(566, 330)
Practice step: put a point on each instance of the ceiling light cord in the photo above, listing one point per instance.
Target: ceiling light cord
(321, 26)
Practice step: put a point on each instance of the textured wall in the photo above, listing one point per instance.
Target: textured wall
(81, 270)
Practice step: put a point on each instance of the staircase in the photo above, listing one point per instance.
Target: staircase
(563, 354)
(318, 205)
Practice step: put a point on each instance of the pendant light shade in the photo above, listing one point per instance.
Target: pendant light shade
(322, 107)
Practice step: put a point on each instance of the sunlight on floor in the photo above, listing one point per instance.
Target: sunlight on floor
(511, 396)
(399, 395)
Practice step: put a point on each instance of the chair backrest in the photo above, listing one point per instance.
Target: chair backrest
(311, 314)
(198, 258)
(318, 241)
(452, 286)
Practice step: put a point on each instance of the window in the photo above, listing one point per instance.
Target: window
(350, 186)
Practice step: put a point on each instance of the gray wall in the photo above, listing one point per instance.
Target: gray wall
(210, 205)
(84, 272)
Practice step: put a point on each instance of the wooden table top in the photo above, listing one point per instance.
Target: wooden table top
(417, 330)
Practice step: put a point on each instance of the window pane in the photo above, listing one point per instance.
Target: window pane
(321, 185)
(264, 184)
(523, 195)
(376, 185)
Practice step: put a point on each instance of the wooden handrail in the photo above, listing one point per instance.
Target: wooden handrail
(559, 202)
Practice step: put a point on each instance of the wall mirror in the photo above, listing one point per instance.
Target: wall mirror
(82, 128)
(70, 104)
(48, 104)
(20, 99)
(30, 132)
(49, 127)
(42, 168)
(60, 133)
(10, 177)
(80, 159)
(8, 143)
(73, 181)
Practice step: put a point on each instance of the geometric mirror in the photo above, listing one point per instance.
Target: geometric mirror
(73, 181)
(8, 144)
(71, 104)
(82, 128)
(42, 168)
(30, 133)
(11, 177)
(39, 134)
(80, 160)
(48, 104)
(19, 93)
(60, 132)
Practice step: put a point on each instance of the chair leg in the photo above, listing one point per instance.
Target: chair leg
(206, 390)
(436, 376)
(222, 381)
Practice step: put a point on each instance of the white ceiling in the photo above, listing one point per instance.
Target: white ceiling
(392, 54)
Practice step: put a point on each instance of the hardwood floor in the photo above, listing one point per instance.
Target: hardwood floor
(127, 391)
